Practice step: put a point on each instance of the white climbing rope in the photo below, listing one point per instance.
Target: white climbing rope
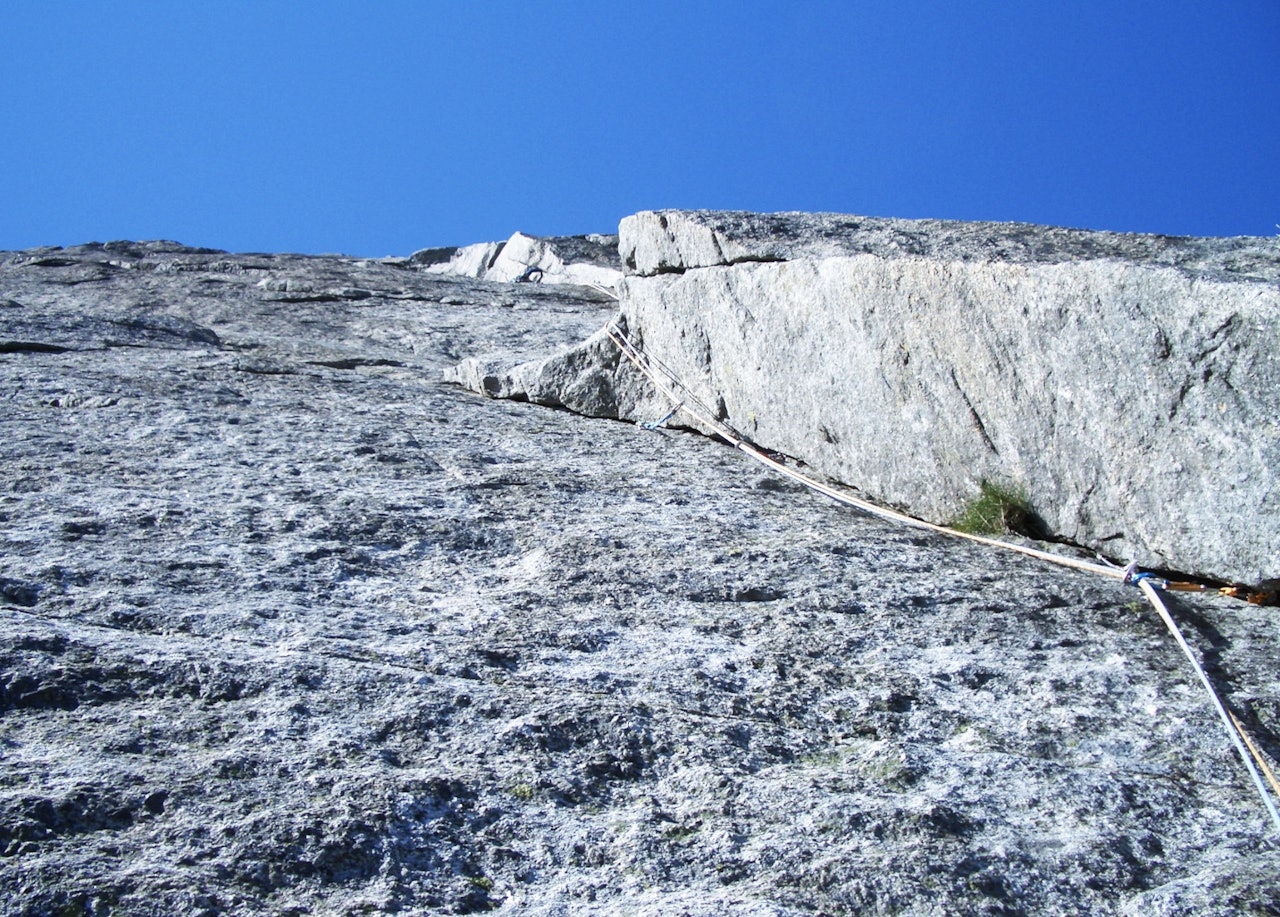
(652, 368)
(683, 399)
(1233, 729)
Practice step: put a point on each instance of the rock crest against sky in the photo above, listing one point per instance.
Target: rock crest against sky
(398, 124)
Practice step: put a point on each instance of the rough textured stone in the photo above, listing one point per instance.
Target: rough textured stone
(581, 260)
(585, 378)
(288, 625)
(1128, 385)
(657, 242)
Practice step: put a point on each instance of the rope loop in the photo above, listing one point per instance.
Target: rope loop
(1135, 577)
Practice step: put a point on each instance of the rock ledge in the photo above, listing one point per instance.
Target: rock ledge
(1129, 385)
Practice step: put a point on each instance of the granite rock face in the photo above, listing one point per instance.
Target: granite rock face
(1128, 386)
(590, 260)
(288, 625)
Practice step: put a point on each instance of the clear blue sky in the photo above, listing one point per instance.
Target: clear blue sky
(379, 127)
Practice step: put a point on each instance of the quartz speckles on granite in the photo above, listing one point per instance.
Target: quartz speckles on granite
(289, 625)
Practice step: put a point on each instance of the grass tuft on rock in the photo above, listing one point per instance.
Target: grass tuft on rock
(999, 510)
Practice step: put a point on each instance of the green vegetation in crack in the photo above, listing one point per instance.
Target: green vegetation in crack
(998, 510)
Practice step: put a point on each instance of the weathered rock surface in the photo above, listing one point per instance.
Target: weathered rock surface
(288, 625)
(591, 260)
(674, 241)
(1128, 385)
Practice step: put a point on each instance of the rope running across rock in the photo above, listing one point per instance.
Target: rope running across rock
(666, 381)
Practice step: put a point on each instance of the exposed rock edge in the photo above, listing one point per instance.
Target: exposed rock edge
(590, 260)
(1128, 384)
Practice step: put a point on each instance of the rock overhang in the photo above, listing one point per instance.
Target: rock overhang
(1129, 384)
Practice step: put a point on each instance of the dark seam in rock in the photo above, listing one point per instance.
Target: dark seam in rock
(973, 415)
(31, 347)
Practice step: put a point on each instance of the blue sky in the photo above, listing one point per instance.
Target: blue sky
(380, 127)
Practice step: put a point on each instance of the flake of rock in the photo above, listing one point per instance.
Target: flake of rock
(292, 626)
(590, 260)
(1127, 386)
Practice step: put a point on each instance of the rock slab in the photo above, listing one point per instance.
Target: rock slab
(1127, 385)
(290, 626)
